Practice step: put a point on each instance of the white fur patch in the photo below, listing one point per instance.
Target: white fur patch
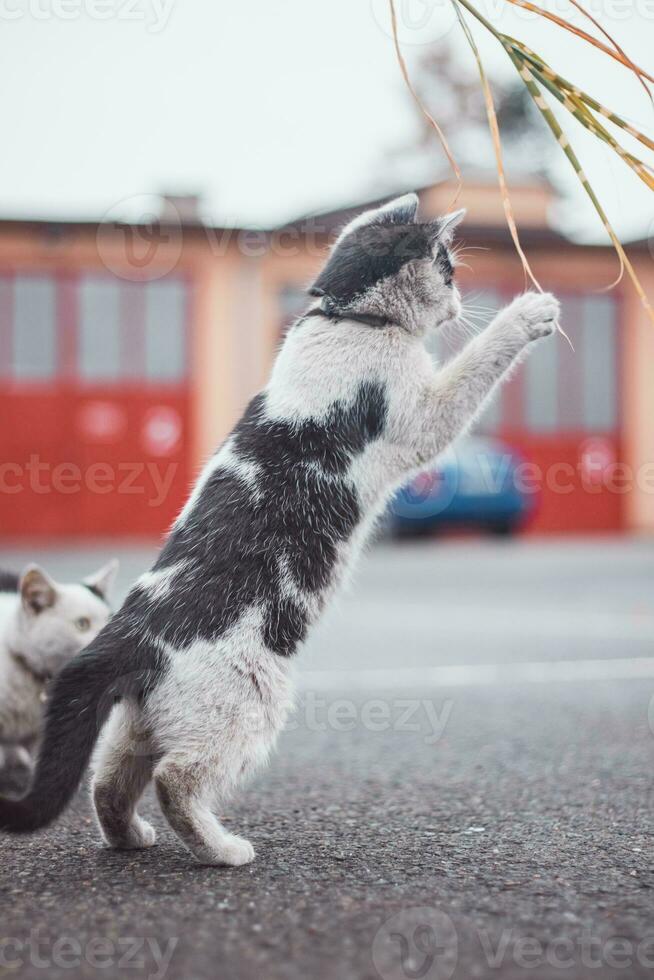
(228, 459)
(158, 583)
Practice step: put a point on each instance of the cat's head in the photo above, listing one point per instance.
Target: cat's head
(391, 268)
(58, 620)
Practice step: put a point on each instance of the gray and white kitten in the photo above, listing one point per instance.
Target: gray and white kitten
(43, 625)
(200, 653)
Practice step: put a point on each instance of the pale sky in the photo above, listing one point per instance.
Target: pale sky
(267, 108)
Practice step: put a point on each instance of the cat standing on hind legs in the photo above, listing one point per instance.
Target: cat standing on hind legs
(199, 654)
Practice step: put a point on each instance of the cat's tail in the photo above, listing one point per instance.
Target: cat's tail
(109, 669)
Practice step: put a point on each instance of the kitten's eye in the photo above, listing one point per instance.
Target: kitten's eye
(83, 624)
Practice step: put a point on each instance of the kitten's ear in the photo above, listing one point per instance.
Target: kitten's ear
(37, 590)
(400, 211)
(448, 223)
(102, 580)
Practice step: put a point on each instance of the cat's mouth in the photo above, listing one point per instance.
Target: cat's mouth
(453, 312)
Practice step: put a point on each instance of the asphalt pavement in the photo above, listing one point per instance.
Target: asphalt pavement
(465, 790)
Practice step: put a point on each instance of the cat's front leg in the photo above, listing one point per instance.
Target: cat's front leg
(456, 395)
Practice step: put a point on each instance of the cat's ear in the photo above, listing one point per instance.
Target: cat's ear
(399, 211)
(37, 590)
(447, 224)
(102, 580)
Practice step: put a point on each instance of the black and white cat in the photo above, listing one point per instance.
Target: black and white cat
(200, 652)
(43, 625)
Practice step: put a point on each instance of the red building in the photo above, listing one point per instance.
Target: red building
(128, 351)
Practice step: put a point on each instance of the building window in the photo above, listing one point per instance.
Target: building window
(165, 341)
(34, 335)
(130, 331)
(600, 363)
(575, 390)
(99, 340)
(113, 331)
(558, 389)
(541, 396)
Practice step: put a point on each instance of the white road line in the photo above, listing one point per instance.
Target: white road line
(464, 675)
(550, 622)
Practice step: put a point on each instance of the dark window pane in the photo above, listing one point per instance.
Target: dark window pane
(99, 330)
(599, 403)
(570, 363)
(35, 336)
(165, 330)
(541, 387)
(6, 324)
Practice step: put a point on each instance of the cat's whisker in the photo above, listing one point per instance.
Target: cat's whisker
(467, 327)
(469, 303)
(475, 317)
(478, 308)
(475, 309)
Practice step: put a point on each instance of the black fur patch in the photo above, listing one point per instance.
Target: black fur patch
(96, 591)
(9, 581)
(445, 265)
(371, 253)
(232, 541)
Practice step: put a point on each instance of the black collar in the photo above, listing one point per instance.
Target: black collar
(370, 319)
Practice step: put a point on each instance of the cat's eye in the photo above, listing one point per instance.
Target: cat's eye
(83, 624)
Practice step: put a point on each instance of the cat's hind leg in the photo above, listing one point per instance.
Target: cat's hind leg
(187, 788)
(123, 768)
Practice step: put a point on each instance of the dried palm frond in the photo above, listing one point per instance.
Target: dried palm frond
(540, 78)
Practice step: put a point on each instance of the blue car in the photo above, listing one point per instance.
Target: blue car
(474, 485)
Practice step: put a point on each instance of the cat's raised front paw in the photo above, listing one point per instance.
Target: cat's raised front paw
(534, 314)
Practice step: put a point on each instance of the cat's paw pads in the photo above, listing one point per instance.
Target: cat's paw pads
(536, 314)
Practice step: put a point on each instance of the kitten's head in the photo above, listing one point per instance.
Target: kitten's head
(57, 621)
(390, 267)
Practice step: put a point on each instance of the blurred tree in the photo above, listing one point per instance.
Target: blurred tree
(453, 95)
